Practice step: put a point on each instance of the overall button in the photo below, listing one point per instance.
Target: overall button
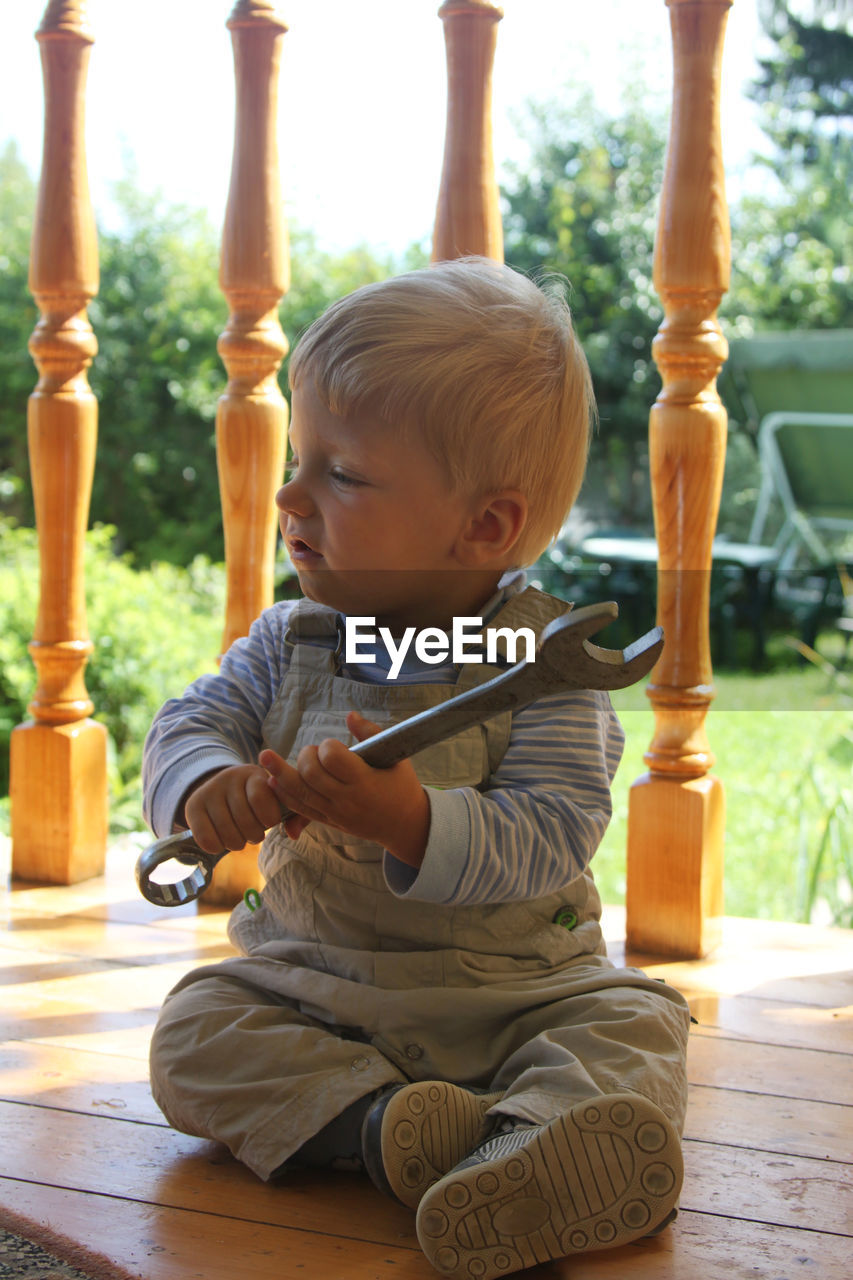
(359, 1064)
(566, 917)
(414, 1051)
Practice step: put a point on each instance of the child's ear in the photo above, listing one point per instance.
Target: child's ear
(493, 529)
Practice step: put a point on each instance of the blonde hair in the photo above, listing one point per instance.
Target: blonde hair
(482, 364)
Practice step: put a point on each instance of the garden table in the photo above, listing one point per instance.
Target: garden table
(754, 563)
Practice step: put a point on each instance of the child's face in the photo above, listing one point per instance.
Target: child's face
(369, 523)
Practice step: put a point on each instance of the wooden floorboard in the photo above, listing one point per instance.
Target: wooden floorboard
(155, 1165)
(768, 1192)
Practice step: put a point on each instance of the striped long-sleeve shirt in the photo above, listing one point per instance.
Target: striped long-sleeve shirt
(528, 831)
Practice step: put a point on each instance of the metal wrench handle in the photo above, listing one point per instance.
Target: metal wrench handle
(565, 659)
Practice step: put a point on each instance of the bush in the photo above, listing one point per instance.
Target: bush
(154, 631)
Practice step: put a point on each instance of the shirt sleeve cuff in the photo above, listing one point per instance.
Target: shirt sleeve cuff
(439, 874)
(166, 800)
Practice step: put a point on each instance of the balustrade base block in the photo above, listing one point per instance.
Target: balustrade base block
(674, 896)
(60, 838)
(232, 877)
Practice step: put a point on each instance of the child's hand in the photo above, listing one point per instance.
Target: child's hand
(232, 808)
(332, 785)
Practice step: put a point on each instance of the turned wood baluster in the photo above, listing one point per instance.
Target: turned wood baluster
(676, 810)
(468, 219)
(251, 422)
(58, 761)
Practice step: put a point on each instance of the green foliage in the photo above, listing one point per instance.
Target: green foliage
(792, 254)
(584, 205)
(807, 79)
(823, 797)
(825, 856)
(153, 632)
(17, 321)
(319, 278)
(18, 605)
(157, 377)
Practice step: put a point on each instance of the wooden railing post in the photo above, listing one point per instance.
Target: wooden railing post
(251, 420)
(468, 219)
(676, 810)
(58, 760)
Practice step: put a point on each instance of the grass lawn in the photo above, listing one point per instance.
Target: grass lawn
(772, 736)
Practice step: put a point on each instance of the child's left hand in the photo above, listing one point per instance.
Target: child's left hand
(332, 785)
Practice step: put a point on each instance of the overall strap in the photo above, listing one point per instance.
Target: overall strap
(315, 638)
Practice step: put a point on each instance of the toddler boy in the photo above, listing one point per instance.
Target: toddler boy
(423, 991)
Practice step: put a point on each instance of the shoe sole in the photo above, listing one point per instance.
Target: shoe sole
(606, 1173)
(428, 1128)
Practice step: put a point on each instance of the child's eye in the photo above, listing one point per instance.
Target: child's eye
(344, 479)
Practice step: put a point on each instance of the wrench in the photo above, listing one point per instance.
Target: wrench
(565, 659)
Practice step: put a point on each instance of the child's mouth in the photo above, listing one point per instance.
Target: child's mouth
(301, 554)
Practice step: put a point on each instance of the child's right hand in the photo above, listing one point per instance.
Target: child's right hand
(232, 808)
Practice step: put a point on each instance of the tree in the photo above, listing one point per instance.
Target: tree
(157, 377)
(156, 374)
(793, 257)
(319, 277)
(584, 205)
(806, 82)
(18, 317)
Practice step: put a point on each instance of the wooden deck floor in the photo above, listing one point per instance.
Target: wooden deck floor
(769, 1145)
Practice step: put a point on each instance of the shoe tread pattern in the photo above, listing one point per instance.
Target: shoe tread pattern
(426, 1130)
(605, 1174)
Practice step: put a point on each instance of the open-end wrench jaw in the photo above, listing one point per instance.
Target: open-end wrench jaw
(571, 659)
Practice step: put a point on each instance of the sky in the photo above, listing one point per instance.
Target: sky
(362, 97)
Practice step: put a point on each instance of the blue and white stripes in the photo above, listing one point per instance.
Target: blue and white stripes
(535, 826)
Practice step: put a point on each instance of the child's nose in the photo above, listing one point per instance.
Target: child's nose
(292, 499)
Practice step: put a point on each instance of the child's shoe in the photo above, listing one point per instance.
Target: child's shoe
(606, 1173)
(414, 1134)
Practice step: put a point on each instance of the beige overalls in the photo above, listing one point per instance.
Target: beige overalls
(344, 987)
